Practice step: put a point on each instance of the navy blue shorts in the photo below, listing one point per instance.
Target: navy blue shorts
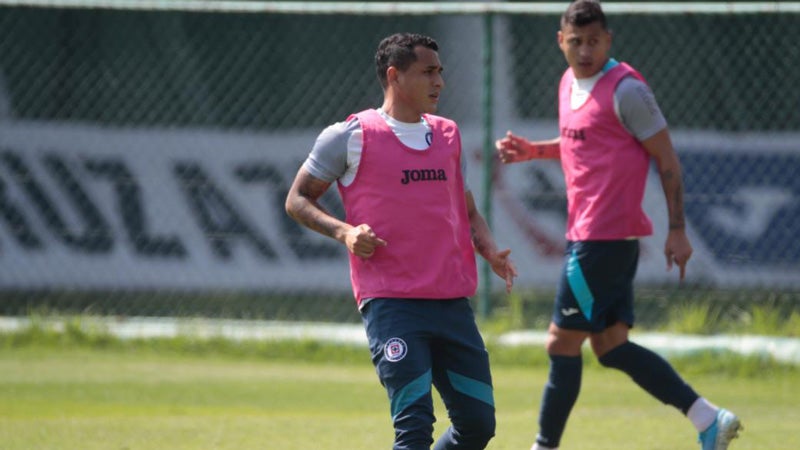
(417, 344)
(596, 286)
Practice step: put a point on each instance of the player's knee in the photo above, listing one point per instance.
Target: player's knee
(615, 357)
(485, 427)
(564, 342)
(476, 427)
(413, 427)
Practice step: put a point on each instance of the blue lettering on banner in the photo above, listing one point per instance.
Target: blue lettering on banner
(745, 207)
(89, 207)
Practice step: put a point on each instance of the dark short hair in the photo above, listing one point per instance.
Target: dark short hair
(584, 12)
(398, 50)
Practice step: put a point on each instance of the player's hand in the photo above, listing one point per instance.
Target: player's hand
(678, 250)
(512, 148)
(504, 267)
(362, 241)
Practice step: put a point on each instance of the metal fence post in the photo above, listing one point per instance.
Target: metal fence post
(485, 306)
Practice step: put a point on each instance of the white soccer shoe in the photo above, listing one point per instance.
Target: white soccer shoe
(719, 435)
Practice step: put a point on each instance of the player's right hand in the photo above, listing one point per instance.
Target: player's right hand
(362, 241)
(511, 148)
(678, 250)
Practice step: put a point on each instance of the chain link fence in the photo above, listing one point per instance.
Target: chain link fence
(145, 154)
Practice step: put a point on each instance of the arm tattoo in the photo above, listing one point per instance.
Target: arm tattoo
(480, 245)
(677, 220)
(673, 188)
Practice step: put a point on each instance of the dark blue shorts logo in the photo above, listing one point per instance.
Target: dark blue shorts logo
(395, 349)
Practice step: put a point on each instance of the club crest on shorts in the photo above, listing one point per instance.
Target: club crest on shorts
(395, 349)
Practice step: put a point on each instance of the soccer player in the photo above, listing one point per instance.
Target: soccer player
(610, 128)
(412, 230)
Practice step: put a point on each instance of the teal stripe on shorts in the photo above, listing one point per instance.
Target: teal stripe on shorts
(577, 282)
(411, 392)
(471, 387)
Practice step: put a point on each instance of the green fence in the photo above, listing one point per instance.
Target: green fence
(113, 121)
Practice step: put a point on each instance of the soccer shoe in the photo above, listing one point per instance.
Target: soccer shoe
(720, 434)
(537, 446)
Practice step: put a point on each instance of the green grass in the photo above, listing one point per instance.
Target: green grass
(94, 399)
(87, 390)
(703, 318)
(689, 311)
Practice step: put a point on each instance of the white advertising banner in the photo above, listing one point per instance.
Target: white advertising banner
(83, 206)
(90, 207)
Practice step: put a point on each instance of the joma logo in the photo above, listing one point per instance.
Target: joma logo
(423, 175)
(577, 134)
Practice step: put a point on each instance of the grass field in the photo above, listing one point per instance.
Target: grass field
(67, 393)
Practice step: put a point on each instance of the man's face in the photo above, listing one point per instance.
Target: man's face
(585, 48)
(419, 86)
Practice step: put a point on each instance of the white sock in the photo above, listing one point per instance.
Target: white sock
(702, 413)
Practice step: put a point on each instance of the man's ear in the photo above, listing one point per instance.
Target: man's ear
(391, 74)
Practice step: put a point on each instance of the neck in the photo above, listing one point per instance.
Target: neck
(400, 113)
(607, 65)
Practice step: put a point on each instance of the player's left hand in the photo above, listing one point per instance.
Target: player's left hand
(678, 250)
(504, 267)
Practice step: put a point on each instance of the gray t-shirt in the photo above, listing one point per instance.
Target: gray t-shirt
(634, 103)
(337, 151)
(637, 108)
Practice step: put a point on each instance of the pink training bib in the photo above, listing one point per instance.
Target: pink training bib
(604, 166)
(415, 201)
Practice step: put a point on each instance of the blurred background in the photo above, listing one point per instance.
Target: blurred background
(146, 151)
